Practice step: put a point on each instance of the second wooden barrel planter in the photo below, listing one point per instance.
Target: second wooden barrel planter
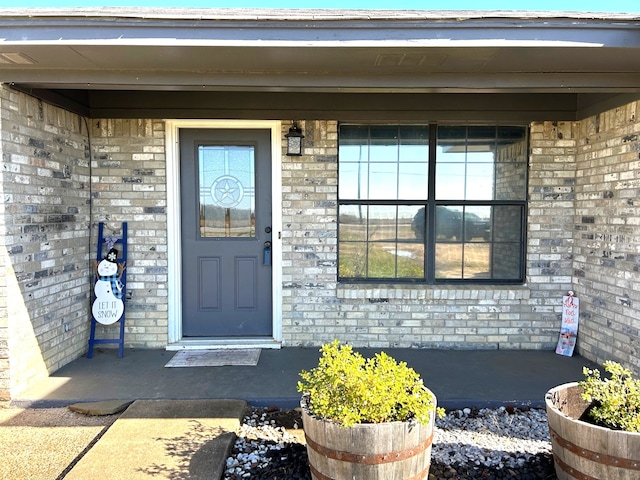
(377, 451)
(583, 451)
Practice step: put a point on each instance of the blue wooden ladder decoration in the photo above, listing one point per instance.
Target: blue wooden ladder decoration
(123, 258)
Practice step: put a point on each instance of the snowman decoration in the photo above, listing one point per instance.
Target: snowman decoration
(108, 306)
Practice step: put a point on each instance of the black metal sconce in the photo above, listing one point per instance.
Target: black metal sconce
(294, 141)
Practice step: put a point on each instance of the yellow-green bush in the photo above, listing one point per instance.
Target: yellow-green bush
(615, 401)
(348, 389)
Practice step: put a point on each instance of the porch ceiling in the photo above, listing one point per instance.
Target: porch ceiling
(92, 60)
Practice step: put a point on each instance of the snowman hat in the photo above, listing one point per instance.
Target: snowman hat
(112, 256)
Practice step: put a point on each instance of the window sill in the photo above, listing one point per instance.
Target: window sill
(384, 292)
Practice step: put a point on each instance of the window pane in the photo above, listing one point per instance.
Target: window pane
(353, 134)
(353, 259)
(477, 223)
(352, 241)
(383, 179)
(410, 261)
(413, 181)
(477, 261)
(448, 260)
(353, 223)
(226, 178)
(384, 144)
(414, 144)
(450, 181)
(410, 249)
(508, 223)
(382, 222)
(507, 262)
(511, 163)
(448, 223)
(479, 181)
(352, 181)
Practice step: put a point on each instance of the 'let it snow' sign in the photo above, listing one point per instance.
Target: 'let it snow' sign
(569, 328)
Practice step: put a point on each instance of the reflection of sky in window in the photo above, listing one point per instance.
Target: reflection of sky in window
(464, 175)
(233, 161)
(383, 172)
(459, 175)
(391, 162)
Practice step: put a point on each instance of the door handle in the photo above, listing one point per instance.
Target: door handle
(266, 254)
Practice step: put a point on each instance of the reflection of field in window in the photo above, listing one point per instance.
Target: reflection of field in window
(382, 260)
(449, 260)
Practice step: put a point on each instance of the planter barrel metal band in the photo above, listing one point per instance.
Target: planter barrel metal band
(371, 459)
(601, 458)
(320, 476)
(572, 471)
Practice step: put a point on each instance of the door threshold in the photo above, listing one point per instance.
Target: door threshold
(207, 343)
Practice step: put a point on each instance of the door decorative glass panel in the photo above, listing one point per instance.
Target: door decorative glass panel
(226, 176)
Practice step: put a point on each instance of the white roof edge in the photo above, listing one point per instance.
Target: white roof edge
(266, 14)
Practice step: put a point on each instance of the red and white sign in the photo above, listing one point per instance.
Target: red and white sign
(569, 328)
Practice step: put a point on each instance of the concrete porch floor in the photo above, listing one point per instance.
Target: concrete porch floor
(459, 378)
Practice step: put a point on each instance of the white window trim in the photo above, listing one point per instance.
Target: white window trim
(174, 247)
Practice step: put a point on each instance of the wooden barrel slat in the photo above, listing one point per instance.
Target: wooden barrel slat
(389, 451)
(583, 451)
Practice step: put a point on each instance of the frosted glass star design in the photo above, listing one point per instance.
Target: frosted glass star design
(227, 191)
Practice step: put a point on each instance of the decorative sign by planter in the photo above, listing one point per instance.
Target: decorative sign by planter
(569, 328)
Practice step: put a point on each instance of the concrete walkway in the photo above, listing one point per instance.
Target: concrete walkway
(179, 439)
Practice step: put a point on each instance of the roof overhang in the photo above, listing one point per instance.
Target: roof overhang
(96, 61)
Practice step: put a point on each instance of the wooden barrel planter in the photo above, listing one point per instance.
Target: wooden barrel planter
(380, 451)
(582, 451)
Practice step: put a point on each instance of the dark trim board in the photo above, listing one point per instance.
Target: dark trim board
(355, 107)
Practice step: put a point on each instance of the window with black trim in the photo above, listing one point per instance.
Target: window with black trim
(432, 203)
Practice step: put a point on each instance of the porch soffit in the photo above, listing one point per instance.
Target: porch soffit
(581, 55)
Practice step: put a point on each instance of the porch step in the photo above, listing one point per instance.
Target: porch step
(165, 438)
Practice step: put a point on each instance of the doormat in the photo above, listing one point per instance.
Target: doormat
(215, 358)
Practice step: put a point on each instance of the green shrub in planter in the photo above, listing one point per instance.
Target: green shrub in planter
(349, 389)
(615, 401)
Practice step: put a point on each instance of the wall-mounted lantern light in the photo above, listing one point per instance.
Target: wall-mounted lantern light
(294, 141)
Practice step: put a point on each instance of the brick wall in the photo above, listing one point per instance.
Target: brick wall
(129, 184)
(607, 236)
(5, 382)
(45, 217)
(551, 211)
(316, 309)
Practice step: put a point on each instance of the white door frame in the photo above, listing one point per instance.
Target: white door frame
(174, 247)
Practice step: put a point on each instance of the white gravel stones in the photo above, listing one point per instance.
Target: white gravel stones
(498, 439)
(256, 438)
(491, 437)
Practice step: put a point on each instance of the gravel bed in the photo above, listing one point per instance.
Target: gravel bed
(487, 444)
